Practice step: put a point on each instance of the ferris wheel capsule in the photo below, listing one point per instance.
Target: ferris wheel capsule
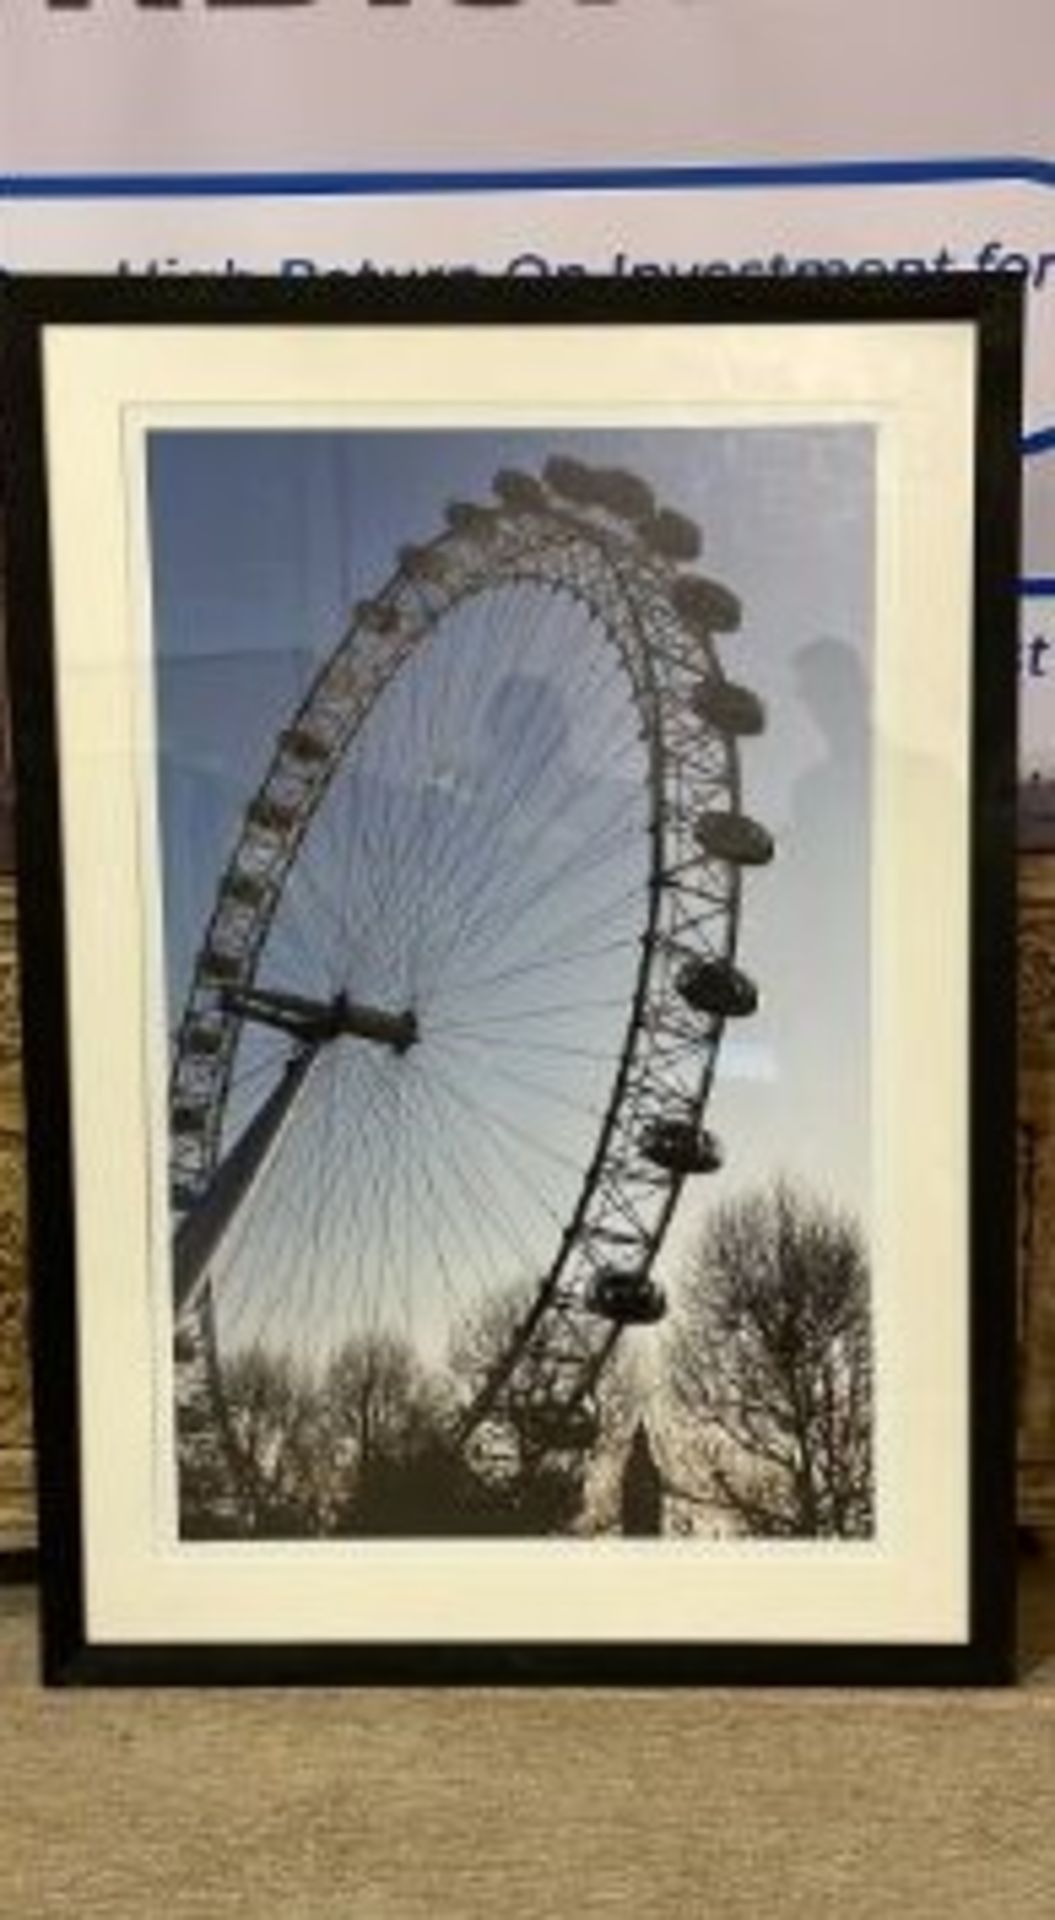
(475, 522)
(705, 606)
(673, 535)
(272, 814)
(571, 479)
(522, 492)
(307, 746)
(377, 616)
(730, 708)
(623, 495)
(716, 987)
(627, 1298)
(678, 1146)
(734, 837)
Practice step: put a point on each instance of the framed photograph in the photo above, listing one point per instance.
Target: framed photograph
(517, 795)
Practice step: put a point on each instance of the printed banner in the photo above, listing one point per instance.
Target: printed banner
(554, 137)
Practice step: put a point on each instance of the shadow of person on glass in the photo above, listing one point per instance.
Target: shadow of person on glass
(828, 866)
(860, 942)
(809, 931)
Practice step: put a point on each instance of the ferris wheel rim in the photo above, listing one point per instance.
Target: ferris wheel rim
(554, 545)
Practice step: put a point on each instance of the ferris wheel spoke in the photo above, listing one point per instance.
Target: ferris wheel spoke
(419, 1226)
(248, 1262)
(405, 1147)
(500, 1250)
(335, 843)
(403, 1219)
(386, 1257)
(511, 834)
(313, 1317)
(475, 1181)
(346, 936)
(370, 1148)
(394, 787)
(502, 785)
(244, 1084)
(411, 867)
(356, 1206)
(356, 1232)
(569, 1009)
(449, 993)
(446, 1152)
(489, 1049)
(506, 793)
(304, 931)
(381, 865)
(520, 970)
(498, 905)
(502, 1072)
(555, 1049)
(510, 641)
(357, 863)
(532, 853)
(298, 1195)
(437, 1211)
(495, 916)
(492, 1118)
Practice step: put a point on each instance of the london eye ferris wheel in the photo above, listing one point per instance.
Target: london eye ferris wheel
(455, 1010)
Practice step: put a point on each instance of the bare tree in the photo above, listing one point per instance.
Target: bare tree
(369, 1444)
(248, 1456)
(770, 1368)
(271, 1414)
(269, 1449)
(383, 1434)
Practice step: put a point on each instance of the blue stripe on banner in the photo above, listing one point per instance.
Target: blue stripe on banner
(624, 179)
(627, 179)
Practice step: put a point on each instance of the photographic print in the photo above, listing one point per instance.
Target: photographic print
(516, 886)
(518, 1012)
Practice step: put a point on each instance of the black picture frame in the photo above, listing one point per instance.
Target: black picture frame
(982, 311)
